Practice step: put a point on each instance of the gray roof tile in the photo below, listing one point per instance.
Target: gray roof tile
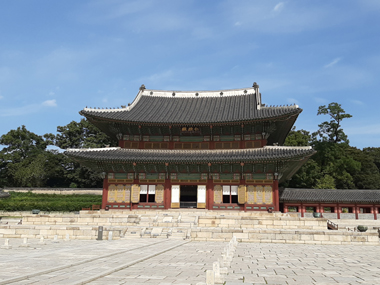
(271, 153)
(330, 195)
(206, 108)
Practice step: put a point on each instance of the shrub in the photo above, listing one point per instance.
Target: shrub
(48, 202)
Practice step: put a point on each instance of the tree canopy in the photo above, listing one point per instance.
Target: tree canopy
(332, 131)
(336, 165)
(26, 160)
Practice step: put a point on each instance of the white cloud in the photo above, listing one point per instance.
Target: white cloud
(63, 63)
(159, 77)
(320, 100)
(279, 7)
(237, 24)
(261, 16)
(357, 102)
(1, 97)
(28, 109)
(292, 101)
(49, 103)
(51, 93)
(335, 61)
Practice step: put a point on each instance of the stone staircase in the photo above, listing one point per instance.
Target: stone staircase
(197, 225)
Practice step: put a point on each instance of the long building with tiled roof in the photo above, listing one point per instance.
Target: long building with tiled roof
(206, 149)
(332, 203)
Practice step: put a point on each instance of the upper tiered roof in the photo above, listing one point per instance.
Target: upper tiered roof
(200, 107)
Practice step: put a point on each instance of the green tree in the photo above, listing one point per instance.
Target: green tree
(298, 138)
(374, 152)
(325, 182)
(306, 177)
(332, 131)
(368, 176)
(22, 160)
(81, 135)
(334, 160)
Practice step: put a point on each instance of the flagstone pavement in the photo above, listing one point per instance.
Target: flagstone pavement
(171, 261)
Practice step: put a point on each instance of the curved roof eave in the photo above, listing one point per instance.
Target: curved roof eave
(267, 153)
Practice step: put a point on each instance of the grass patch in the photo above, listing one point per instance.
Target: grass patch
(48, 202)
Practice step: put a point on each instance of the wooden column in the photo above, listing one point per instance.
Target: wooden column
(338, 209)
(167, 194)
(210, 194)
(302, 210)
(356, 211)
(105, 193)
(276, 200)
(121, 143)
(374, 209)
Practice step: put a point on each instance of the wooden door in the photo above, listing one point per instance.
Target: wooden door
(201, 197)
(175, 196)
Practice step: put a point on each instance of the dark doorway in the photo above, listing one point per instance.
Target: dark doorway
(188, 197)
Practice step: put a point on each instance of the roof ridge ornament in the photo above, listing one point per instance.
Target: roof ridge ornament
(258, 95)
(142, 87)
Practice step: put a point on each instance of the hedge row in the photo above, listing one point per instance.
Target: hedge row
(48, 202)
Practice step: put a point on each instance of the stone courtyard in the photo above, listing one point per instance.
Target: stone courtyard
(177, 261)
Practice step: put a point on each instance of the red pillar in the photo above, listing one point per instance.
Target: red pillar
(276, 200)
(209, 196)
(374, 212)
(167, 194)
(302, 210)
(105, 193)
(356, 209)
(338, 209)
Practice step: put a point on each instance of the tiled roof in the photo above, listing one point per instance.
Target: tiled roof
(266, 153)
(330, 195)
(170, 107)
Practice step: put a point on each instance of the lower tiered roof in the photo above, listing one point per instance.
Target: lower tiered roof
(117, 154)
(109, 159)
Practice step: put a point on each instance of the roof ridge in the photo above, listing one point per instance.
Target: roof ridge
(92, 149)
(287, 147)
(222, 151)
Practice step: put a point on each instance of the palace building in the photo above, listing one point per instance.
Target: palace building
(194, 149)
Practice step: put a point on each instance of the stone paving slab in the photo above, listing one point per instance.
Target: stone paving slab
(305, 264)
(182, 262)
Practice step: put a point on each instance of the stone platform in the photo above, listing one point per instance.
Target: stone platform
(195, 225)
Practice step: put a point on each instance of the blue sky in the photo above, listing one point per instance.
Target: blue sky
(57, 57)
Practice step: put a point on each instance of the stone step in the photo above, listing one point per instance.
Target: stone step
(196, 234)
